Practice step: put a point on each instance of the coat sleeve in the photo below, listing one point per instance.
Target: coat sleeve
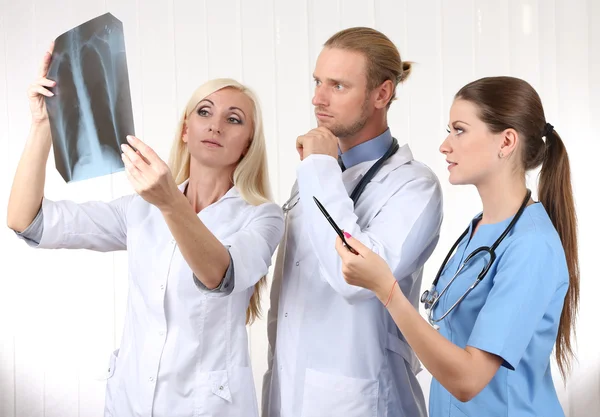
(404, 232)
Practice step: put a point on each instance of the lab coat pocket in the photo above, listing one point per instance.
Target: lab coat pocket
(227, 393)
(338, 396)
(112, 364)
(219, 385)
(112, 387)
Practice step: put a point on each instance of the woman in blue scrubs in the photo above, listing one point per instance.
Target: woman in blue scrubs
(489, 354)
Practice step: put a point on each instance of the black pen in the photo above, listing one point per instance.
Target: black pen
(335, 226)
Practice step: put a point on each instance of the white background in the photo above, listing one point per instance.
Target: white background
(61, 313)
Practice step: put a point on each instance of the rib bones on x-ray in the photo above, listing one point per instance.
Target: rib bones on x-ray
(90, 113)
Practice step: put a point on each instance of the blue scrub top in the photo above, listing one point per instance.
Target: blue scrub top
(513, 312)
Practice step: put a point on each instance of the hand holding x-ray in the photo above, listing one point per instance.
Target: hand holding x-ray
(149, 175)
(39, 89)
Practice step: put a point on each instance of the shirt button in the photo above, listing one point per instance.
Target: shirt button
(297, 263)
(162, 287)
(161, 333)
(151, 379)
(221, 387)
(286, 314)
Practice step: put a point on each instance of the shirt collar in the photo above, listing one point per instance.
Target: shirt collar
(367, 151)
(232, 192)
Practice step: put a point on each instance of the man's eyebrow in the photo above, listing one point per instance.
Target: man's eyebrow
(331, 80)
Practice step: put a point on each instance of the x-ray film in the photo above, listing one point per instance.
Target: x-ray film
(90, 113)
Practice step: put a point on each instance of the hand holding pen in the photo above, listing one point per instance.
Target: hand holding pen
(339, 231)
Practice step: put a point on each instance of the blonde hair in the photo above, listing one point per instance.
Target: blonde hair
(251, 176)
(383, 58)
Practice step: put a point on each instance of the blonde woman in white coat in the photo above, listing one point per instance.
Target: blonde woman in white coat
(200, 234)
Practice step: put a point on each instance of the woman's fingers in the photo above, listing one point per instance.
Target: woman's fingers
(143, 157)
(46, 82)
(36, 89)
(356, 244)
(43, 69)
(131, 169)
(143, 150)
(134, 157)
(45, 64)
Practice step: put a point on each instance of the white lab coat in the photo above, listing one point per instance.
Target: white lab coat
(184, 351)
(334, 350)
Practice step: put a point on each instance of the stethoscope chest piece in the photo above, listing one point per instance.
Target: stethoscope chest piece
(429, 297)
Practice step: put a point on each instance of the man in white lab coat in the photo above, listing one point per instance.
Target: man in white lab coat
(333, 348)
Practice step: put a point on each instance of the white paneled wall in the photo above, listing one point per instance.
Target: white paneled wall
(61, 313)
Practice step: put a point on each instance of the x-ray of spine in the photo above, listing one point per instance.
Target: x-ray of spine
(90, 113)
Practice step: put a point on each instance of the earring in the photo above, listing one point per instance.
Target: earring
(500, 155)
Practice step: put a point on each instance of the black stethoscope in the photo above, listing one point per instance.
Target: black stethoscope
(360, 187)
(431, 297)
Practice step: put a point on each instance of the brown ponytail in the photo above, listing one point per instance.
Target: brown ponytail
(556, 194)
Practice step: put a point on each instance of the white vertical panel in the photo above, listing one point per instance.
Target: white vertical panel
(492, 38)
(258, 47)
(547, 33)
(7, 322)
(426, 126)
(292, 78)
(424, 48)
(259, 72)
(594, 57)
(391, 18)
(458, 61)
(357, 13)
(573, 124)
(588, 251)
(191, 53)
(524, 40)
(323, 21)
(21, 67)
(573, 62)
(156, 35)
(224, 39)
(458, 69)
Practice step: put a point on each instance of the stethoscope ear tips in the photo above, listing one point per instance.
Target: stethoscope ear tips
(436, 327)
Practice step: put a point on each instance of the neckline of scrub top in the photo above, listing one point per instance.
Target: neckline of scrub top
(485, 229)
